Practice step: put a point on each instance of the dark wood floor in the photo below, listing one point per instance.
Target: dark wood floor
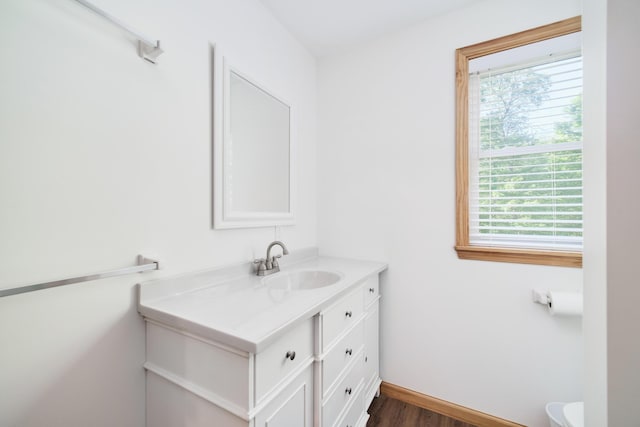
(388, 412)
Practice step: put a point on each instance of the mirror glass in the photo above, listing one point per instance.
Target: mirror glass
(255, 171)
(256, 149)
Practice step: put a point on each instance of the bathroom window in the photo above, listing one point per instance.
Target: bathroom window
(519, 147)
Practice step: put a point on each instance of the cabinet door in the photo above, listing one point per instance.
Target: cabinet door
(371, 353)
(293, 406)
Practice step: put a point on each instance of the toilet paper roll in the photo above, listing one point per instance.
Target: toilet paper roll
(565, 303)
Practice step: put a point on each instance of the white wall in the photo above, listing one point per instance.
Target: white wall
(104, 156)
(463, 331)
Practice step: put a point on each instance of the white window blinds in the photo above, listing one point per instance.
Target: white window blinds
(525, 155)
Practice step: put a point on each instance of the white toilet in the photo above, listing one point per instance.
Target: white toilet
(573, 414)
(565, 414)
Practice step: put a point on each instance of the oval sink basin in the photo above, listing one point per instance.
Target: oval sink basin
(303, 279)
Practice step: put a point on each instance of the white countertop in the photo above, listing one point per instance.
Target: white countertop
(236, 308)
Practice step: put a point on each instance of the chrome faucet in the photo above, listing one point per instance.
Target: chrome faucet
(270, 264)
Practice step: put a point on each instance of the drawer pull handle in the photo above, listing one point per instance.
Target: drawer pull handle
(372, 290)
(349, 313)
(349, 351)
(348, 390)
(290, 355)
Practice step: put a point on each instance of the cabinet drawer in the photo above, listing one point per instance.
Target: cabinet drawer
(340, 355)
(343, 394)
(354, 416)
(340, 316)
(276, 362)
(371, 290)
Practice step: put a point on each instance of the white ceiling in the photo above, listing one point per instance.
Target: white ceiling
(327, 27)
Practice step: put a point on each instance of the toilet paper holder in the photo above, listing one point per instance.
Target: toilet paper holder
(559, 303)
(541, 297)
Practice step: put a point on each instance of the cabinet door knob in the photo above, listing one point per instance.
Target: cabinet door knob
(372, 290)
(349, 351)
(348, 390)
(349, 313)
(290, 355)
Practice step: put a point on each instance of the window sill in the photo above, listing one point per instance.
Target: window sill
(521, 256)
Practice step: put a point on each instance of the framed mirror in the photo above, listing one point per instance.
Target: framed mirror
(253, 154)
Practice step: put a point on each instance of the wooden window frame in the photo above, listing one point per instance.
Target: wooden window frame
(463, 55)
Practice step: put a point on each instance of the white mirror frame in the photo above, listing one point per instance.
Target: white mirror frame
(223, 216)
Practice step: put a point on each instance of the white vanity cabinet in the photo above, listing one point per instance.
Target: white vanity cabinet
(241, 354)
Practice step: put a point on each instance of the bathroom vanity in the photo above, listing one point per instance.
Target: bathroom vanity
(298, 348)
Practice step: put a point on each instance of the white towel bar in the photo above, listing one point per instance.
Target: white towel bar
(144, 264)
(148, 49)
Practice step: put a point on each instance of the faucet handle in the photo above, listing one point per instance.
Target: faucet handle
(261, 264)
(274, 261)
